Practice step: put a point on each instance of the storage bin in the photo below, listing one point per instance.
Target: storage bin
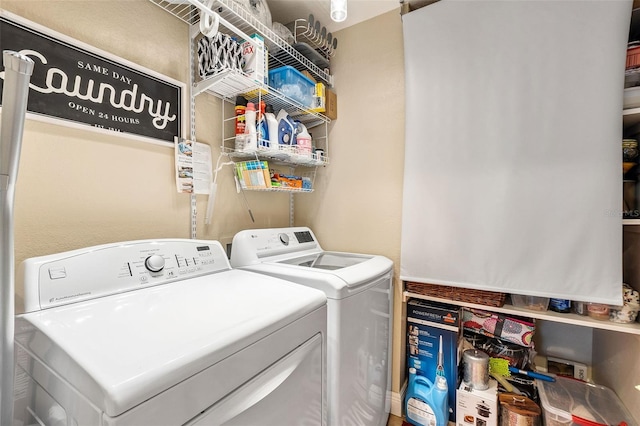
(293, 84)
(568, 401)
(479, 297)
(530, 302)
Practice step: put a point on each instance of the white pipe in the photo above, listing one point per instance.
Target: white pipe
(15, 90)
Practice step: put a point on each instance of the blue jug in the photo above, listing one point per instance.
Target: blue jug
(427, 403)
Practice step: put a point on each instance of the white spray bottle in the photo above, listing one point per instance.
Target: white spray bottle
(251, 141)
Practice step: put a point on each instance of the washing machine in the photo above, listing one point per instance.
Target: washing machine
(164, 332)
(359, 306)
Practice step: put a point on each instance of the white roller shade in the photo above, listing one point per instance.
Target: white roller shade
(513, 173)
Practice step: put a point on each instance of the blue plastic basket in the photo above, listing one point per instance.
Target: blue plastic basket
(293, 84)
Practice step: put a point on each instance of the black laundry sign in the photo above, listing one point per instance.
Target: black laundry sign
(80, 85)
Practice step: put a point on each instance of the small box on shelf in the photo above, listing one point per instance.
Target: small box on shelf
(253, 174)
(477, 407)
(255, 63)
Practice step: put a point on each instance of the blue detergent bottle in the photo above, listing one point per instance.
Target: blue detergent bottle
(427, 403)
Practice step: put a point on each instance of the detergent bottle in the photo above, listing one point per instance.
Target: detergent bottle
(262, 127)
(272, 127)
(427, 403)
(250, 130)
(286, 128)
(303, 141)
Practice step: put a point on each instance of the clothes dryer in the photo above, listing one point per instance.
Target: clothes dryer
(359, 301)
(164, 332)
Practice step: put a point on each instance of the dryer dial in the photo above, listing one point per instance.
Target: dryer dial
(284, 239)
(154, 263)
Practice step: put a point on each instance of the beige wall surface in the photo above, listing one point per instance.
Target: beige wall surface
(357, 205)
(77, 187)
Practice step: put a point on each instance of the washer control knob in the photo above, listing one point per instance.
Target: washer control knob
(154, 263)
(284, 239)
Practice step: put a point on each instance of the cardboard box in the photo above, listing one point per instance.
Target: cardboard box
(308, 75)
(319, 99)
(427, 322)
(325, 101)
(331, 104)
(477, 407)
(255, 63)
(253, 174)
(563, 367)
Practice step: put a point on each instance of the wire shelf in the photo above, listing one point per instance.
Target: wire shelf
(280, 189)
(285, 154)
(234, 14)
(258, 175)
(241, 85)
(322, 42)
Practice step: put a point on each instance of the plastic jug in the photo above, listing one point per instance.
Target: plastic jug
(427, 403)
(250, 130)
(303, 141)
(286, 128)
(272, 127)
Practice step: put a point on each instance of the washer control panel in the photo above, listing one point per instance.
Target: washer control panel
(255, 245)
(83, 274)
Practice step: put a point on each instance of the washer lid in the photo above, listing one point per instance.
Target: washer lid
(327, 260)
(338, 274)
(123, 349)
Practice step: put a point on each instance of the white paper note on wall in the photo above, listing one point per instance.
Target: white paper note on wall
(193, 166)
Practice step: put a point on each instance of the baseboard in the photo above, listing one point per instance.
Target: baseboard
(397, 401)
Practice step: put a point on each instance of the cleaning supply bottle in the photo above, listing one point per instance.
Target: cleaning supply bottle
(285, 128)
(303, 141)
(272, 127)
(250, 130)
(240, 109)
(427, 403)
(263, 130)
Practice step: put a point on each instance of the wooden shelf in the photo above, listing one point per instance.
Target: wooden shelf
(630, 117)
(573, 319)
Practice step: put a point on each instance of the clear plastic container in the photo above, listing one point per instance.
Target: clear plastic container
(293, 84)
(533, 303)
(568, 401)
(598, 311)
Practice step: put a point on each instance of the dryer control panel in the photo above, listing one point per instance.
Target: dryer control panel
(99, 271)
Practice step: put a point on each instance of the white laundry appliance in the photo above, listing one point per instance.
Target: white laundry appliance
(359, 300)
(164, 332)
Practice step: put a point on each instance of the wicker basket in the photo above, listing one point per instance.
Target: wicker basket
(459, 294)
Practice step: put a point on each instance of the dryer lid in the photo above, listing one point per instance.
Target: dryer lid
(121, 350)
